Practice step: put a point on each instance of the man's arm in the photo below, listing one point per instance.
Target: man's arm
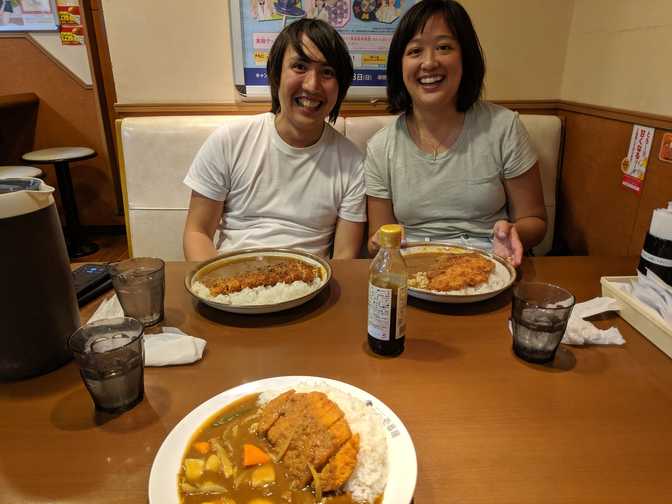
(199, 230)
(347, 239)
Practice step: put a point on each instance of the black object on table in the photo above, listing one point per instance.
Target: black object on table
(90, 281)
(60, 157)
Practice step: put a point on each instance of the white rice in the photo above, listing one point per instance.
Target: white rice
(370, 475)
(499, 277)
(259, 295)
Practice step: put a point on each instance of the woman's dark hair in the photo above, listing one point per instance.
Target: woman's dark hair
(413, 22)
(330, 44)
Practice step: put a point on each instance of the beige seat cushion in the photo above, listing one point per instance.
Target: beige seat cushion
(157, 152)
(360, 129)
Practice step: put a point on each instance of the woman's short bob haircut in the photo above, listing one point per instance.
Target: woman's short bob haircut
(412, 23)
(330, 44)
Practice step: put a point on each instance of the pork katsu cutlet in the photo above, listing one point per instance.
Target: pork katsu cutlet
(285, 271)
(309, 430)
(455, 272)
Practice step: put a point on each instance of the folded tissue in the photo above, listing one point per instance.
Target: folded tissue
(581, 332)
(109, 308)
(170, 347)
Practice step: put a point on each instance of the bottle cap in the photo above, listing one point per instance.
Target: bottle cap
(389, 235)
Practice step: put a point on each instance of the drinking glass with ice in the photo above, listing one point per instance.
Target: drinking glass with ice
(110, 355)
(539, 316)
(140, 287)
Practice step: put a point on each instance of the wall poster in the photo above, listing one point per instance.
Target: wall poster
(28, 15)
(70, 15)
(365, 25)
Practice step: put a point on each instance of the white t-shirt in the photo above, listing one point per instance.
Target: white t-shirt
(276, 195)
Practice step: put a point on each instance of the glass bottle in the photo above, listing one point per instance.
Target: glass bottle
(387, 294)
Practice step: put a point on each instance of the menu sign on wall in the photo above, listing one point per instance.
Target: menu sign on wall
(28, 15)
(634, 166)
(69, 14)
(365, 25)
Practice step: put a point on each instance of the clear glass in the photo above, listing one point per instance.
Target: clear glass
(387, 302)
(111, 356)
(539, 316)
(140, 286)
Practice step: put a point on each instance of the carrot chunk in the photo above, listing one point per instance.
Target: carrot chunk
(202, 447)
(253, 455)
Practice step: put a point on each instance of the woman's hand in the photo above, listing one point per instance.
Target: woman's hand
(506, 242)
(374, 243)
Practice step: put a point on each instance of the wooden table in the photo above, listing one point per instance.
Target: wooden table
(488, 428)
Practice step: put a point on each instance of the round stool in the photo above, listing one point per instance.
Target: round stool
(60, 157)
(20, 171)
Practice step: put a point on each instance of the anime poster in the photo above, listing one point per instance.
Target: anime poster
(365, 25)
(28, 15)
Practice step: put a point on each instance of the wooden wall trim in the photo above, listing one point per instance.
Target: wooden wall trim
(242, 108)
(355, 109)
(628, 116)
(233, 108)
(101, 70)
(56, 62)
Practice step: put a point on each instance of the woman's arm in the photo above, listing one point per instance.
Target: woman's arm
(199, 230)
(380, 212)
(347, 239)
(525, 201)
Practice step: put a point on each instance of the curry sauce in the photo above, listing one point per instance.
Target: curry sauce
(251, 454)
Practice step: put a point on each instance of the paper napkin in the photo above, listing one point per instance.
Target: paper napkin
(581, 332)
(170, 347)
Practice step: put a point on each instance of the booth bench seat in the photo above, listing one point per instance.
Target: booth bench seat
(156, 152)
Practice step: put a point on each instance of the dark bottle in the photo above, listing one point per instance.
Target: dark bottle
(387, 294)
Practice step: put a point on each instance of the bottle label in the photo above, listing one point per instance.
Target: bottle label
(401, 312)
(660, 261)
(386, 321)
(380, 308)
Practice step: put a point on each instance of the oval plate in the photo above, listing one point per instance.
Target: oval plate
(401, 457)
(447, 297)
(222, 260)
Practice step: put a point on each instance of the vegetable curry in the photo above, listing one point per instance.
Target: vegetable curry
(232, 458)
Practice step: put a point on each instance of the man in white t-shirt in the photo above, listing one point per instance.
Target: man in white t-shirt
(285, 178)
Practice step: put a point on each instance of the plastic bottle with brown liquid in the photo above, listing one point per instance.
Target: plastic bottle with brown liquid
(387, 294)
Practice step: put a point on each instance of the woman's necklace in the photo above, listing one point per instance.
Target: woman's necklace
(434, 144)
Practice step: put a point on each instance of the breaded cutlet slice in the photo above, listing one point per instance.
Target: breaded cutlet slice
(273, 410)
(340, 467)
(315, 446)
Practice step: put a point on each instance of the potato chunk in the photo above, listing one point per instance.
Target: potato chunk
(263, 475)
(213, 464)
(193, 468)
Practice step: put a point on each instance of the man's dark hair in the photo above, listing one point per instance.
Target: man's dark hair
(413, 22)
(330, 44)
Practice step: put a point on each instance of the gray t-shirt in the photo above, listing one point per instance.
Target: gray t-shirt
(460, 194)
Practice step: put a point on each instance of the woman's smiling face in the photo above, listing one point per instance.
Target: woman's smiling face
(432, 66)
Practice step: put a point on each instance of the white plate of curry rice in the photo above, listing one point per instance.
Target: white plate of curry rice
(254, 281)
(287, 440)
(452, 274)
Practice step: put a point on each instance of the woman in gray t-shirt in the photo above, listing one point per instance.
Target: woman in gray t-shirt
(450, 167)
